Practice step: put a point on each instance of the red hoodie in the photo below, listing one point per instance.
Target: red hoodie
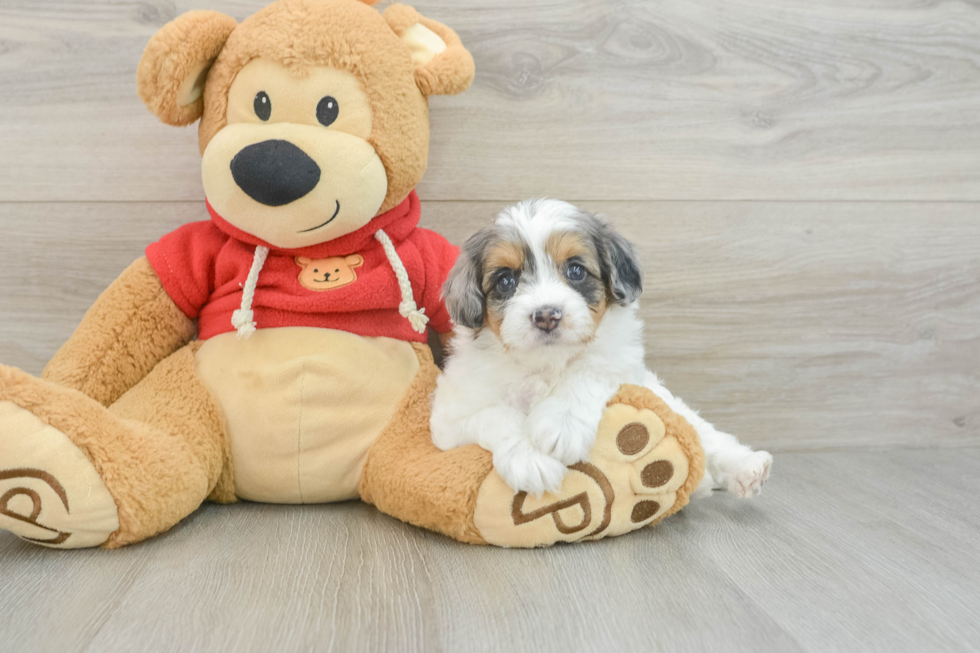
(347, 284)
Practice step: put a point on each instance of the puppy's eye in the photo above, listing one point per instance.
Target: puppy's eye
(327, 110)
(507, 283)
(262, 105)
(575, 272)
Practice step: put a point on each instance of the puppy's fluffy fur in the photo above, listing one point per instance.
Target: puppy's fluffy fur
(545, 307)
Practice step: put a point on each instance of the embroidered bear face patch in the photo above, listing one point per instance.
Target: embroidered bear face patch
(328, 273)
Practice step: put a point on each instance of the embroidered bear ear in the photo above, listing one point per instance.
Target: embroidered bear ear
(354, 260)
(174, 68)
(442, 65)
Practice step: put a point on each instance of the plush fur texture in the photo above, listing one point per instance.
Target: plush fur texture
(128, 393)
(449, 72)
(177, 51)
(360, 41)
(131, 327)
(406, 476)
(532, 389)
(126, 390)
(160, 449)
(638, 397)
(643, 467)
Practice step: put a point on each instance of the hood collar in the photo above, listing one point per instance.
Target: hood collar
(397, 223)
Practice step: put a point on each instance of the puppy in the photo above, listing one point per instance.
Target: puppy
(545, 306)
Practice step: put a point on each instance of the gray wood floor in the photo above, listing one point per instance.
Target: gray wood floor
(845, 551)
(803, 181)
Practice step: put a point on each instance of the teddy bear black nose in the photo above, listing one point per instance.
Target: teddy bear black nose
(274, 172)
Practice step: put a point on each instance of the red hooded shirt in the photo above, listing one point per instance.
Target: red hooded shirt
(347, 284)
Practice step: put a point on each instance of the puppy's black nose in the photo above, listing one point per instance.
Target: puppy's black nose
(274, 172)
(546, 318)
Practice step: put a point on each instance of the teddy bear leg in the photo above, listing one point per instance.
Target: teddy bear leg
(74, 473)
(407, 477)
(644, 466)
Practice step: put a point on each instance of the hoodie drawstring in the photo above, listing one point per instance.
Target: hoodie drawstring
(244, 318)
(408, 308)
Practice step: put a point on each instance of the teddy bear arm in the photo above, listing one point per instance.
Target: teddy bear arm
(131, 327)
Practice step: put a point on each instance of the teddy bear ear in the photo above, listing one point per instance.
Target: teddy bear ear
(442, 65)
(354, 260)
(174, 68)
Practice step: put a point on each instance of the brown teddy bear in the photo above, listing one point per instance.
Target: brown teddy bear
(216, 367)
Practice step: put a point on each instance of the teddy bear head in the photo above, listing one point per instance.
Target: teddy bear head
(314, 113)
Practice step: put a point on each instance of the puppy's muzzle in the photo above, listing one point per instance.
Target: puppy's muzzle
(546, 319)
(274, 172)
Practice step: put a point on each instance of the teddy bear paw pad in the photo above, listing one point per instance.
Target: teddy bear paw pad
(633, 477)
(50, 494)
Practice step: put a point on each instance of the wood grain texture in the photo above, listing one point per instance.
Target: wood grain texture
(582, 99)
(815, 323)
(850, 552)
(793, 325)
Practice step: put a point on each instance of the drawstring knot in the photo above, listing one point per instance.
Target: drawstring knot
(407, 308)
(243, 318)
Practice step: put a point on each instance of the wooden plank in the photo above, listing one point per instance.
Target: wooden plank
(859, 551)
(794, 325)
(839, 554)
(587, 99)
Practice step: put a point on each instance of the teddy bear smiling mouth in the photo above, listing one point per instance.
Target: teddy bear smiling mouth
(336, 212)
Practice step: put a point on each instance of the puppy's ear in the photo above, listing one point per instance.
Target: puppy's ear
(621, 269)
(174, 68)
(442, 65)
(463, 290)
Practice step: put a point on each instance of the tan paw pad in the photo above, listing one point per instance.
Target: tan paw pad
(581, 508)
(50, 494)
(631, 479)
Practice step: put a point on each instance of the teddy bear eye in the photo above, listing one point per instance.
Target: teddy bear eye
(315, 270)
(327, 110)
(262, 105)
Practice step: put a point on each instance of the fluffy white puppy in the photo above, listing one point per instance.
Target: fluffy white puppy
(544, 302)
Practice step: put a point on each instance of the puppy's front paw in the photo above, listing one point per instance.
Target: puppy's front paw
(748, 477)
(525, 469)
(560, 434)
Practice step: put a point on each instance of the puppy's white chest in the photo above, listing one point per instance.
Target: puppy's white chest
(531, 389)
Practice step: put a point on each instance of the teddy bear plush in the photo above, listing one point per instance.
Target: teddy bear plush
(277, 351)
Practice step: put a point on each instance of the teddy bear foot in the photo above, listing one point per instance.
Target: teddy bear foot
(50, 494)
(645, 463)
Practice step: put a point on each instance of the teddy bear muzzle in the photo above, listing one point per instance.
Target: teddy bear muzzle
(274, 172)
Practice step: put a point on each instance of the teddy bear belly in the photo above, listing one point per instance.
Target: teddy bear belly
(303, 405)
